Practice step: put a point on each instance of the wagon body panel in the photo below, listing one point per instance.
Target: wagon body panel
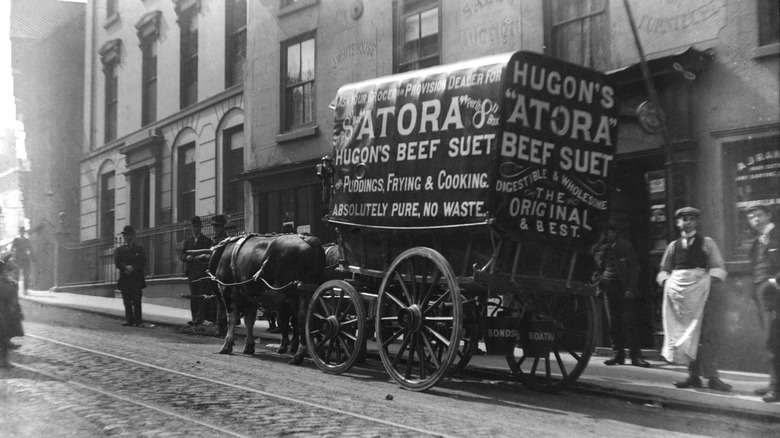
(519, 141)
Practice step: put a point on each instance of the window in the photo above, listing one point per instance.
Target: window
(149, 79)
(578, 31)
(233, 166)
(236, 42)
(287, 205)
(140, 198)
(768, 22)
(299, 70)
(186, 181)
(110, 54)
(188, 24)
(111, 8)
(111, 101)
(107, 207)
(417, 36)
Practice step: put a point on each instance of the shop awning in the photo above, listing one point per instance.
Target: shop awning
(687, 65)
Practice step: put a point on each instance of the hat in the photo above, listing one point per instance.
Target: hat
(195, 221)
(219, 220)
(764, 208)
(128, 230)
(687, 211)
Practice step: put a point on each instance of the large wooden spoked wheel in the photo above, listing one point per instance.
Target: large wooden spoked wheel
(336, 326)
(574, 321)
(419, 322)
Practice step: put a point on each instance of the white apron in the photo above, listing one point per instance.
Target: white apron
(685, 294)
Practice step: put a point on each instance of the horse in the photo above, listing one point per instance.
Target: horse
(268, 269)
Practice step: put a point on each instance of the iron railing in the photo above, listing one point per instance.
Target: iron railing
(92, 262)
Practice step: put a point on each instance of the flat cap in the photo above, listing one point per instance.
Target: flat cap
(764, 208)
(687, 211)
(128, 230)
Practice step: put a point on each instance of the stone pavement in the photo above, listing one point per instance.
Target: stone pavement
(651, 387)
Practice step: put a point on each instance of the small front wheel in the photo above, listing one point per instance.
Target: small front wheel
(336, 326)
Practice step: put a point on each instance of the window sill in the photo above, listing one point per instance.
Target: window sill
(765, 51)
(297, 6)
(296, 134)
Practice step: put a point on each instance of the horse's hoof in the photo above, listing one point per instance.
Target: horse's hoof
(249, 351)
(296, 360)
(281, 350)
(226, 350)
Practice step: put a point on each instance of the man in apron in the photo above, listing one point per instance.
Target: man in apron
(688, 267)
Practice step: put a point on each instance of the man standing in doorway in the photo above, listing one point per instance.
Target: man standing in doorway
(195, 270)
(765, 261)
(23, 255)
(130, 259)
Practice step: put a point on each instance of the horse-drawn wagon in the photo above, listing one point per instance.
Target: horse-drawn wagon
(467, 198)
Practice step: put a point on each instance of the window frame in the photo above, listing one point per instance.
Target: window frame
(551, 26)
(149, 49)
(287, 123)
(232, 185)
(403, 10)
(111, 101)
(107, 199)
(234, 34)
(140, 198)
(188, 57)
(186, 207)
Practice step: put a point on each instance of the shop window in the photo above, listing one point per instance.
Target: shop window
(233, 167)
(417, 35)
(188, 75)
(186, 181)
(140, 198)
(578, 31)
(235, 26)
(107, 204)
(291, 205)
(752, 168)
(298, 82)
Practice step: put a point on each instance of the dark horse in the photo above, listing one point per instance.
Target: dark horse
(268, 269)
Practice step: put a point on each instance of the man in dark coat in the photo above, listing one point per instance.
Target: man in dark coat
(195, 270)
(130, 259)
(618, 271)
(765, 262)
(23, 255)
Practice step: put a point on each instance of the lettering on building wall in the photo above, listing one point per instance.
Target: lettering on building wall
(364, 48)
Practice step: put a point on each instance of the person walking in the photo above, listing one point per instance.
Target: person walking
(617, 274)
(195, 270)
(10, 313)
(130, 259)
(689, 266)
(23, 256)
(765, 263)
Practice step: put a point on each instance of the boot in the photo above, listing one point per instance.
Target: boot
(618, 358)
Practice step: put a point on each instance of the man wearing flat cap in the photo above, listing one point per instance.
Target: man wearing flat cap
(195, 270)
(688, 267)
(765, 263)
(130, 259)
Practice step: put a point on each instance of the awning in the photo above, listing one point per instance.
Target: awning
(684, 65)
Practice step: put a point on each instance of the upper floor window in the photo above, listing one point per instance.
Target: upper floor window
(298, 82)
(417, 35)
(188, 25)
(110, 56)
(107, 204)
(148, 28)
(233, 167)
(149, 82)
(768, 22)
(186, 181)
(578, 31)
(236, 42)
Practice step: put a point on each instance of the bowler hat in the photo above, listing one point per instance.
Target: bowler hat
(687, 211)
(219, 220)
(195, 221)
(128, 230)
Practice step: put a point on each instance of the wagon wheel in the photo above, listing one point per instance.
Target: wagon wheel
(418, 324)
(336, 326)
(573, 321)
